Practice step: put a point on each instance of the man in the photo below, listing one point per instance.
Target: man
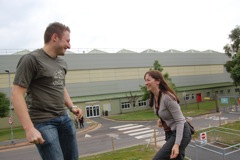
(41, 75)
(81, 122)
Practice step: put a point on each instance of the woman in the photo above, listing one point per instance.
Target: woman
(166, 106)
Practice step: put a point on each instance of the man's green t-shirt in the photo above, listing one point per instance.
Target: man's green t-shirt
(44, 78)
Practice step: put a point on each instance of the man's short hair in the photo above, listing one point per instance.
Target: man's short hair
(52, 28)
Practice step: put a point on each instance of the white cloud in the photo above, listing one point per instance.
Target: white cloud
(156, 24)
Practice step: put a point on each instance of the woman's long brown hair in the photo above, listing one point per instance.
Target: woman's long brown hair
(163, 86)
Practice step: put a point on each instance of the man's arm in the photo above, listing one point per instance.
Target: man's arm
(20, 107)
(68, 102)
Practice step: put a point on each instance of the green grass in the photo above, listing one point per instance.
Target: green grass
(234, 125)
(196, 109)
(18, 133)
(140, 152)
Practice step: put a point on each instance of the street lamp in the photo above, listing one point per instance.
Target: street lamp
(10, 106)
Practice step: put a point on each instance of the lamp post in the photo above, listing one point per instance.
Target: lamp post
(10, 120)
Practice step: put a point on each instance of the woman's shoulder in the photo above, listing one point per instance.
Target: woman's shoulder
(168, 96)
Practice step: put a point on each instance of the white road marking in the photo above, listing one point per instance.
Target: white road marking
(143, 132)
(87, 135)
(145, 135)
(127, 128)
(136, 130)
(127, 125)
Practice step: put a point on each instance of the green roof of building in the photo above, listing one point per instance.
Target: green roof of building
(205, 86)
(140, 93)
(106, 96)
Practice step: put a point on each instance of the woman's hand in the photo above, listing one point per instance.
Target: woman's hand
(175, 151)
(159, 123)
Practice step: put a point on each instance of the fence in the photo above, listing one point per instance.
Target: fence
(220, 143)
(230, 104)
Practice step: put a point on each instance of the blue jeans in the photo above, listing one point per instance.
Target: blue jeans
(60, 139)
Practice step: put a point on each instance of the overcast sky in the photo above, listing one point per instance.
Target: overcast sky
(118, 24)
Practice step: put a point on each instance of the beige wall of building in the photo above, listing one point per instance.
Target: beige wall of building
(137, 73)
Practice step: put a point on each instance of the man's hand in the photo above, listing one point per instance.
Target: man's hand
(34, 136)
(78, 112)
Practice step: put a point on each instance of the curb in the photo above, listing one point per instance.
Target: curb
(90, 128)
(15, 145)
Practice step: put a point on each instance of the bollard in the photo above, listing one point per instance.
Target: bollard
(155, 137)
(112, 144)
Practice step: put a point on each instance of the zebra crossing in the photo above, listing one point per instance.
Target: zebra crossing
(139, 132)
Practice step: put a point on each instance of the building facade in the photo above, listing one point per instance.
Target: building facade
(104, 83)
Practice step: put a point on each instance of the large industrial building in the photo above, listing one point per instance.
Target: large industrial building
(109, 83)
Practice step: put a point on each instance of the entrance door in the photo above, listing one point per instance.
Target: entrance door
(199, 97)
(92, 111)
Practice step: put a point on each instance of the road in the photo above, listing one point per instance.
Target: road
(121, 134)
(101, 140)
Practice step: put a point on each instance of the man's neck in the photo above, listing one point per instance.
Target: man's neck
(49, 51)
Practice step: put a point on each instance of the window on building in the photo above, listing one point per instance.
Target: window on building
(193, 96)
(186, 97)
(134, 104)
(142, 103)
(229, 91)
(125, 105)
(216, 92)
(208, 94)
(221, 92)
